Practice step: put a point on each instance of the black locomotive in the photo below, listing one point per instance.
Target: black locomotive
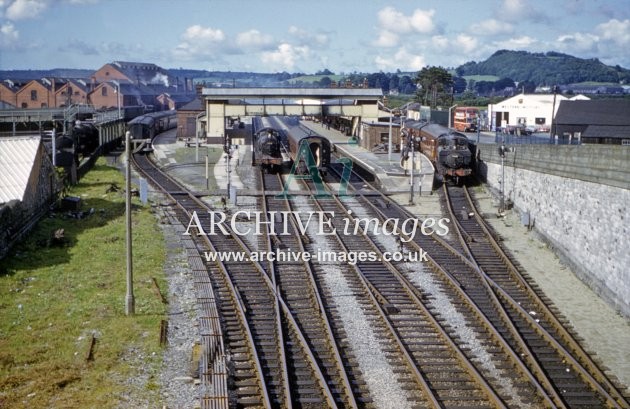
(279, 140)
(269, 144)
(448, 150)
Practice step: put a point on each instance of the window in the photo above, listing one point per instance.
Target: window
(34, 95)
(104, 91)
(539, 121)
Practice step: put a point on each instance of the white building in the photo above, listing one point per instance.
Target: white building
(535, 110)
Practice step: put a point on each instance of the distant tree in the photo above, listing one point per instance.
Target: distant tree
(325, 82)
(459, 85)
(326, 71)
(435, 86)
(406, 85)
(527, 87)
(394, 82)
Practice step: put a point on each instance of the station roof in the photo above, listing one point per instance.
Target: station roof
(316, 93)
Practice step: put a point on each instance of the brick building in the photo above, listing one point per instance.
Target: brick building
(37, 94)
(72, 92)
(8, 91)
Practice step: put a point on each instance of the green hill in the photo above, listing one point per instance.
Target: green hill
(545, 68)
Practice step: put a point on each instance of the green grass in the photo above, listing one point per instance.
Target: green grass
(54, 298)
(478, 78)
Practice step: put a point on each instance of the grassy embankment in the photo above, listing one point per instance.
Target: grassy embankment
(53, 299)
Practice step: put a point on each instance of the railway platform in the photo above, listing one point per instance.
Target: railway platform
(389, 176)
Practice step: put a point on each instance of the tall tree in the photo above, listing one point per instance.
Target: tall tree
(435, 86)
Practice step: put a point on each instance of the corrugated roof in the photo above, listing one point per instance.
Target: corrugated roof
(17, 157)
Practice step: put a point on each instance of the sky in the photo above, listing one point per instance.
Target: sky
(343, 36)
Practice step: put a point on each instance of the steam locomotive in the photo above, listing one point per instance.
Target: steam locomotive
(448, 150)
(279, 137)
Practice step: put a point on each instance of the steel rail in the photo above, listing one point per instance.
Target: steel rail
(311, 276)
(285, 370)
(589, 369)
(456, 285)
(236, 298)
(288, 314)
(526, 351)
(470, 368)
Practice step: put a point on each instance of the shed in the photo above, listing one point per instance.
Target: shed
(605, 121)
(27, 185)
(26, 172)
(374, 136)
(187, 119)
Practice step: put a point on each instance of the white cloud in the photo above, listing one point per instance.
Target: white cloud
(615, 31)
(420, 21)
(402, 59)
(440, 42)
(519, 11)
(386, 39)
(22, 9)
(306, 38)
(253, 39)
(609, 42)
(285, 57)
(204, 35)
(491, 27)
(8, 35)
(513, 8)
(517, 43)
(578, 42)
(199, 43)
(466, 43)
(81, 1)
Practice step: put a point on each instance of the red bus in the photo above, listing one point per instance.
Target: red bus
(466, 119)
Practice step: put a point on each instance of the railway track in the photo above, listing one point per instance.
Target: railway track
(271, 362)
(576, 378)
(464, 329)
(561, 383)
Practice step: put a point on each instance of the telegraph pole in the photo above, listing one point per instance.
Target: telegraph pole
(130, 308)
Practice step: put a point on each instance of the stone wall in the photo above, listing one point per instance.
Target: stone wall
(578, 198)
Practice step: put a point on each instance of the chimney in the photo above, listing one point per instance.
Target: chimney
(54, 98)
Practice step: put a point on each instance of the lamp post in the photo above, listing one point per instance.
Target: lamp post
(413, 160)
(118, 97)
(450, 117)
(389, 141)
(197, 131)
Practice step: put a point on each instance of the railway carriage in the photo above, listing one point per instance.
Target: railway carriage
(146, 127)
(305, 146)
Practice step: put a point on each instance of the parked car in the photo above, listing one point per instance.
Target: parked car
(519, 130)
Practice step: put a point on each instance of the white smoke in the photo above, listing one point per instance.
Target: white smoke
(159, 79)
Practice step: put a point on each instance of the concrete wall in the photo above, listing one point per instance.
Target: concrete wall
(578, 198)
